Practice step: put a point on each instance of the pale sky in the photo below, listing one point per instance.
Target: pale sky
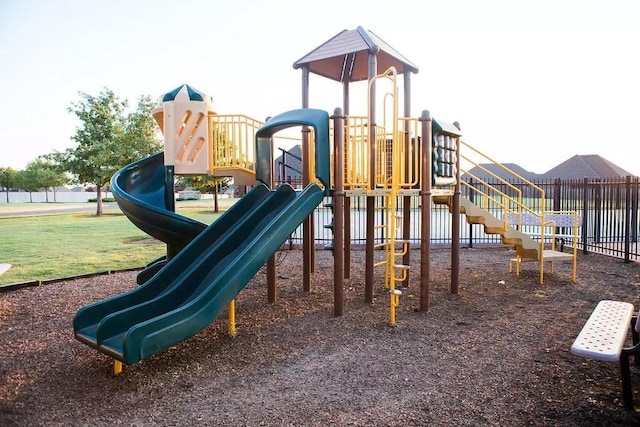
(531, 82)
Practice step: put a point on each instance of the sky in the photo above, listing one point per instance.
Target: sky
(530, 82)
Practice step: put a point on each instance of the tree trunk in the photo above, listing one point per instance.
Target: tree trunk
(99, 200)
(30, 197)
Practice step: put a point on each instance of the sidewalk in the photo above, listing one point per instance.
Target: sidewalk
(22, 209)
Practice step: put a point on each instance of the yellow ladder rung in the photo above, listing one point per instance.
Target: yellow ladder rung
(380, 245)
(378, 264)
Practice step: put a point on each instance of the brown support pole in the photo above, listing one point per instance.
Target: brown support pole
(312, 227)
(406, 208)
(455, 224)
(347, 237)
(338, 213)
(307, 237)
(425, 217)
(272, 293)
(369, 257)
(406, 234)
(347, 200)
(371, 201)
(307, 230)
(371, 220)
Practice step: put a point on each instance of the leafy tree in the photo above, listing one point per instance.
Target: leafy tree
(51, 173)
(7, 179)
(106, 139)
(33, 178)
(141, 136)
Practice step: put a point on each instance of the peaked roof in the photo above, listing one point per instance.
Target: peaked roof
(498, 171)
(186, 91)
(345, 57)
(576, 167)
(585, 166)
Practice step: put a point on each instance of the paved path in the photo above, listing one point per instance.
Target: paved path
(51, 208)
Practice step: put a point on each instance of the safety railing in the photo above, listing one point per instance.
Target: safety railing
(233, 142)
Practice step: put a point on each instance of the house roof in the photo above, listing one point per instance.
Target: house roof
(576, 167)
(345, 57)
(585, 166)
(498, 171)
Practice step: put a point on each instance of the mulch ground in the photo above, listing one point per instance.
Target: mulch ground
(495, 354)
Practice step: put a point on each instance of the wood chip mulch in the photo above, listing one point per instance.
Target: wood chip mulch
(495, 354)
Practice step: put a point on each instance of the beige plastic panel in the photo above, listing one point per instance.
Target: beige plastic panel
(187, 145)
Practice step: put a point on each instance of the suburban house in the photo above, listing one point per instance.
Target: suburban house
(590, 166)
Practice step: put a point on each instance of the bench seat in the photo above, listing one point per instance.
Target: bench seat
(545, 226)
(604, 335)
(606, 330)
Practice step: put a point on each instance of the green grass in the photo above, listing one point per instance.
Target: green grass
(46, 247)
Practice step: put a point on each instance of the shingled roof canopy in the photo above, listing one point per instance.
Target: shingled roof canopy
(345, 57)
(586, 166)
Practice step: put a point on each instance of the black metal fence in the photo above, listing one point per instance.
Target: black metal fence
(608, 210)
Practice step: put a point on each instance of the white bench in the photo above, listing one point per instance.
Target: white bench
(533, 225)
(552, 220)
(604, 335)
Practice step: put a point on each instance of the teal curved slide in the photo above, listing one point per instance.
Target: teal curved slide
(195, 286)
(140, 191)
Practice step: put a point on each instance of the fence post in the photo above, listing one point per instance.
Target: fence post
(585, 217)
(627, 218)
(634, 211)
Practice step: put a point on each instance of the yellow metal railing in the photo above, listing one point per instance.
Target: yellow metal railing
(232, 139)
(409, 152)
(509, 204)
(356, 153)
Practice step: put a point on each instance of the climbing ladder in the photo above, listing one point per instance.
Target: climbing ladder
(390, 168)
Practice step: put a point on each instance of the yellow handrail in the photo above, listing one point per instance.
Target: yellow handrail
(233, 141)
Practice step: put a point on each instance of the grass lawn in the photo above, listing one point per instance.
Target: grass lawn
(44, 247)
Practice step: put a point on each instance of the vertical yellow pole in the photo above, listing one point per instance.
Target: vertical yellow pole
(232, 318)
(394, 302)
(117, 367)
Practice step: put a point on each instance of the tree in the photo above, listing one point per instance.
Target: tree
(7, 179)
(141, 135)
(32, 178)
(51, 173)
(206, 184)
(106, 139)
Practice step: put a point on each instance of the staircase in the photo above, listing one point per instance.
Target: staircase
(520, 226)
(526, 247)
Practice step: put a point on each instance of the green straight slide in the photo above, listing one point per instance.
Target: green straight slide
(197, 285)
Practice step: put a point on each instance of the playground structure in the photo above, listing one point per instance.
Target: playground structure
(385, 156)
